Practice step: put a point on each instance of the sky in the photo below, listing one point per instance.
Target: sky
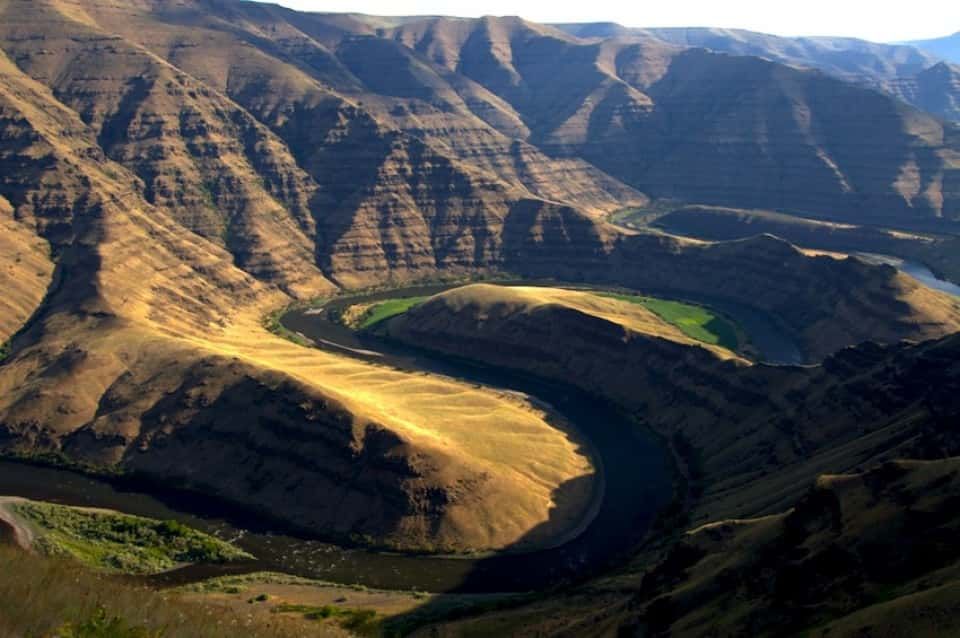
(917, 19)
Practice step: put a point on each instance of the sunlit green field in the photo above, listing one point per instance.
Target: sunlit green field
(697, 322)
(389, 308)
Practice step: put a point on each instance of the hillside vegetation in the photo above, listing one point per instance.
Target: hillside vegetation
(697, 322)
(119, 542)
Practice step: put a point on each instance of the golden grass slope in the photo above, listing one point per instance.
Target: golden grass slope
(151, 356)
(25, 272)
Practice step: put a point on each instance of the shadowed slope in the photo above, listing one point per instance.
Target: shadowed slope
(913, 74)
(877, 541)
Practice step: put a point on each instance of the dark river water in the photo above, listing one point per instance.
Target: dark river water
(637, 481)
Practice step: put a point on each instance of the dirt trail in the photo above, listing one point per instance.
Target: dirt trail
(22, 534)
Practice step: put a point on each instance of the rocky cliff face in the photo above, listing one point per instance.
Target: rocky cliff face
(935, 89)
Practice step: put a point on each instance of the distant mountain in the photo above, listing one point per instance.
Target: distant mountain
(947, 47)
(849, 57)
(697, 125)
(899, 69)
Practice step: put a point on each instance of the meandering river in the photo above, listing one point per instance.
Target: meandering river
(636, 472)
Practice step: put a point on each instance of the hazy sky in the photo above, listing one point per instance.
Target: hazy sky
(869, 20)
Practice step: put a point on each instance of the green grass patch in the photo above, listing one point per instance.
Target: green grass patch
(4, 351)
(385, 309)
(119, 542)
(697, 322)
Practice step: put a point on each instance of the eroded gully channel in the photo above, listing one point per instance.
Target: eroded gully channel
(637, 482)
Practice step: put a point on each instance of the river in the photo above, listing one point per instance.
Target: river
(915, 269)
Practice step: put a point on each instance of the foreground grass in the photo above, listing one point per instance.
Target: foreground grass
(358, 609)
(697, 322)
(56, 597)
(119, 542)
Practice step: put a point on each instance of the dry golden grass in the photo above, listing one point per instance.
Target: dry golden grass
(500, 434)
(25, 272)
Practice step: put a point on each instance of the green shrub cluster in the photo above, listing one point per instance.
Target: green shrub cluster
(120, 542)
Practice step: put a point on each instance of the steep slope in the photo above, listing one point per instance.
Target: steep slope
(825, 304)
(202, 159)
(935, 90)
(864, 554)
(355, 177)
(606, 346)
(865, 551)
(713, 223)
(195, 164)
(727, 129)
(149, 357)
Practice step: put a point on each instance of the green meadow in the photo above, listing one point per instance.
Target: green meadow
(697, 322)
